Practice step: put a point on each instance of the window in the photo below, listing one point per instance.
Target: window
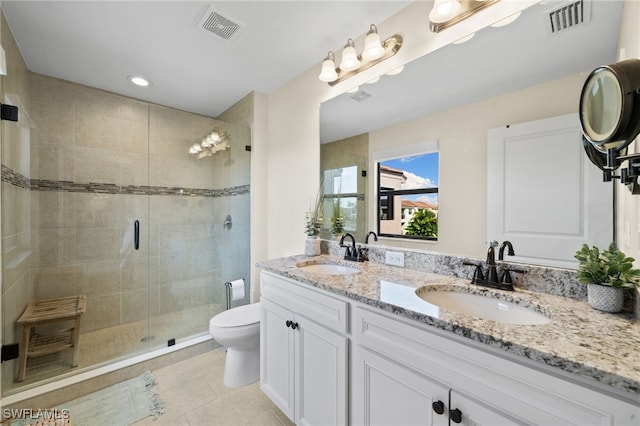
(408, 197)
(341, 185)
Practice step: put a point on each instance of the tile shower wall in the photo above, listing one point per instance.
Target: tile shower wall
(15, 201)
(93, 155)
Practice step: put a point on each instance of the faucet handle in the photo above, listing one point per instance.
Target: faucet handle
(477, 273)
(506, 275)
(362, 254)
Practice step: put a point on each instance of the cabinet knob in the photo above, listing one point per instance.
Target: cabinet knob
(438, 407)
(289, 322)
(294, 325)
(455, 415)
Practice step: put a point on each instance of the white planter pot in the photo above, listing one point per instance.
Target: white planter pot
(605, 298)
(312, 247)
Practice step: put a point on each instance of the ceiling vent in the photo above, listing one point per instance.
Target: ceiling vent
(216, 23)
(568, 16)
(360, 96)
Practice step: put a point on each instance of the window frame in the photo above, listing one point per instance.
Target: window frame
(379, 157)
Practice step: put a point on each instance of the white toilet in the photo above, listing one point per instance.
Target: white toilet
(238, 329)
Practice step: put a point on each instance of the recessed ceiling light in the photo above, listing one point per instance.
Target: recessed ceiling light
(139, 81)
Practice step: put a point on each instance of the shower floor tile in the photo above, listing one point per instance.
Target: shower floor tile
(122, 341)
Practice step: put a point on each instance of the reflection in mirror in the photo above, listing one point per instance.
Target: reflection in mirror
(496, 62)
(344, 173)
(408, 197)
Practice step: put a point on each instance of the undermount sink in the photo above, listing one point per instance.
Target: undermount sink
(328, 269)
(484, 307)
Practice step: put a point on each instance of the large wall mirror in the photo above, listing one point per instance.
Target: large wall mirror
(497, 61)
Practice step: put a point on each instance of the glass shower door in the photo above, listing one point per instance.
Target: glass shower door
(195, 232)
(69, 206)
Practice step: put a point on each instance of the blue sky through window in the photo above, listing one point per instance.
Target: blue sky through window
(421, 172)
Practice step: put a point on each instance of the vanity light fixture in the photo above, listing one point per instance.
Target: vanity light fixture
(374, 80)
(396, 71)
(446, 13)
(351, 63)
(328, 72)
(350, 59)
(373, 48)
(211, 144)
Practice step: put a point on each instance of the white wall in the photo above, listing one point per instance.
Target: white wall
(628, 226)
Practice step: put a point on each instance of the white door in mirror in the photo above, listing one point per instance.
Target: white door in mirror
(543, 193)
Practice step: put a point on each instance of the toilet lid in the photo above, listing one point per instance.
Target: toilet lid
(236, 317)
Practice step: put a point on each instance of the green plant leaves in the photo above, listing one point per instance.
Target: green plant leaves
(611, 267)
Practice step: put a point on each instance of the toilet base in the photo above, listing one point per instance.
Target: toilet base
(242, 367)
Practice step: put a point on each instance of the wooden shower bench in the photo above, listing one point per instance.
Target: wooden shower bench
(50, 311)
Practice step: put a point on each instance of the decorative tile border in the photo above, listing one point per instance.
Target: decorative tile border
(16, 179)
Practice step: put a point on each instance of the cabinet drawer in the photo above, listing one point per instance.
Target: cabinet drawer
(326, 310)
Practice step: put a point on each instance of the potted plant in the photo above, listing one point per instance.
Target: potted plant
(313, 216)
(337, 220)
(606, 274)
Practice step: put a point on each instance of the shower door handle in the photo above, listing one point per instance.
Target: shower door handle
(136, 234)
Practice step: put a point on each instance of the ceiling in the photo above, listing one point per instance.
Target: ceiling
(494, 62)
(101, 43)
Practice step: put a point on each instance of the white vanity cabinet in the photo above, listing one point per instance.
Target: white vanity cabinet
(329, 360)
(303, 352)
(399, 363)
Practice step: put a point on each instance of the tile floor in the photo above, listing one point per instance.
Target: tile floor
(194, 395)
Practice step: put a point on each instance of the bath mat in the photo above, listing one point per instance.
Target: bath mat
(119, 405)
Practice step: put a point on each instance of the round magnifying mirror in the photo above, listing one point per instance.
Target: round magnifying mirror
(609, 116)
(601, 106)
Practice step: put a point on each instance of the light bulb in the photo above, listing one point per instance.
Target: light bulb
(373, 49)
(195, 148)
(328, 72)
(396, 71)
(444, 10)
(215, 136)
(350, 59)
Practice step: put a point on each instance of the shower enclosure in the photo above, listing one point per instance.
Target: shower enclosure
(101, 197)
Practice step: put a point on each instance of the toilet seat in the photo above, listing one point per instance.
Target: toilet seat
(237, 317)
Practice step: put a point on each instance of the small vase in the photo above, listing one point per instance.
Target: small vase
(312, 246)
(605, 298)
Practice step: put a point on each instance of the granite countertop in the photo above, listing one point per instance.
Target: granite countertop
(578, 339)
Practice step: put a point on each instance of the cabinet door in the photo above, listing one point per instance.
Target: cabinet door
(473, 413)
(386, 393)
(321, 375)
(276, 356)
